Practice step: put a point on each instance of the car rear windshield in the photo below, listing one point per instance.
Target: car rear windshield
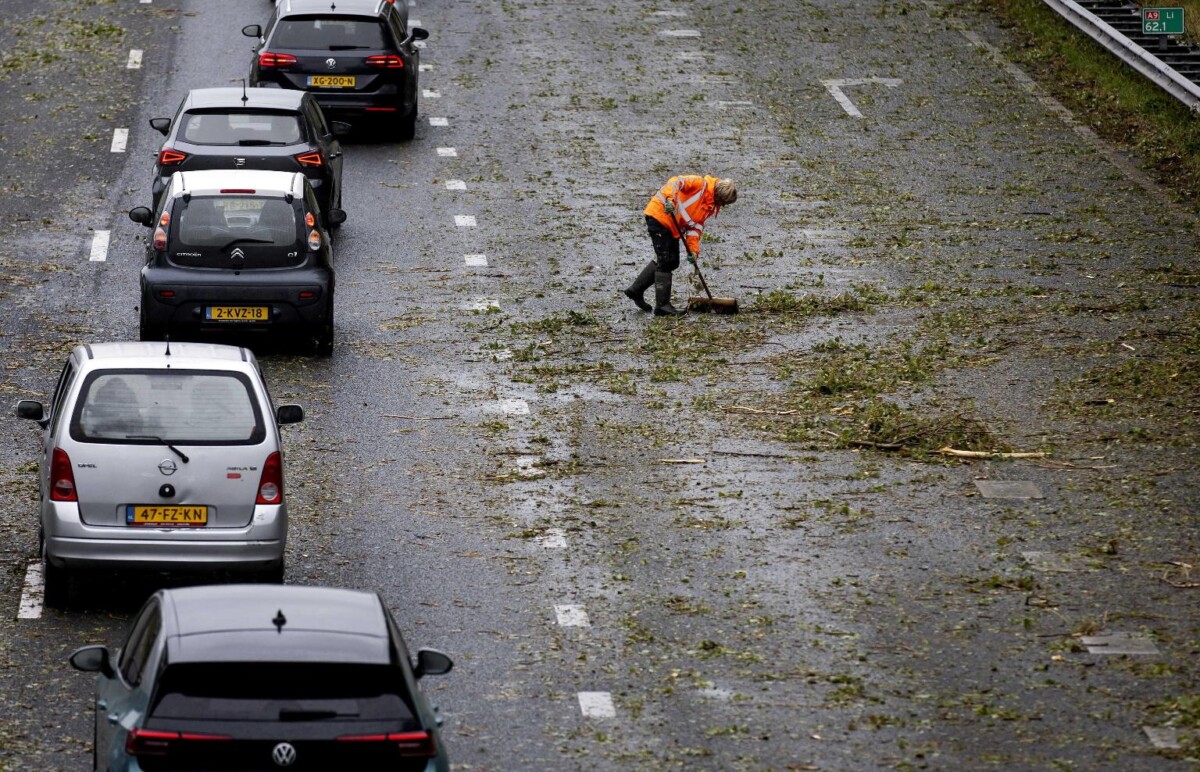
(339, 33)
(242, 232)
(287, 692)
(176, 406)
(241, 128)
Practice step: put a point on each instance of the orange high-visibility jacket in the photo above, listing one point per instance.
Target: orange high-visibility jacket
(694, 203)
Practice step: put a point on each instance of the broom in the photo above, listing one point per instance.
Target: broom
(710, 305)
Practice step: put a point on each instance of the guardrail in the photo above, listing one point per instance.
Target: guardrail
(1149, 65)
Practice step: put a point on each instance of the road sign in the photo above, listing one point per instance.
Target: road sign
(1162, 21)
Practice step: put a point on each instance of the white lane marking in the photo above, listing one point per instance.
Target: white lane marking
(447, 152)
(431, 94)
(836, 85)
(736, 103)
(424, 68)
(597, 705)
(483, 304)
(464, 220)
(120, 140)
(512, 406)
(135, 59)
(1118, 643)
(503, 355)
(552, 539)
(455, 185)
(475, 261)
(144, 2)
(691, 56)
(570, 615)
(528, 469)
(680, 33)
(676, 14)
(433, 121)
(33, 593)
(1162, 736)
(414, 22)
(99, 251)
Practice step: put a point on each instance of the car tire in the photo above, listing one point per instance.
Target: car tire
(273, 575)
(323, 346)
(408, 125)
(147, 331)
(338, 205)
(56, 583)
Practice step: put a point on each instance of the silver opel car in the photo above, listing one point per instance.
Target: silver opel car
(160, 456)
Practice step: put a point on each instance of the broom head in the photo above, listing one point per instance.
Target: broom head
(713, 305)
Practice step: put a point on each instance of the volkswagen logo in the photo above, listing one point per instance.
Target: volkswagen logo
(331, 62)
(167, 467)
(237, 254)
(284, 755)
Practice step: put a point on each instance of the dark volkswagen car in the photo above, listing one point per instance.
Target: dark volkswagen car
(260, 677)
(238, 252)
(356, 56)
(255, 128)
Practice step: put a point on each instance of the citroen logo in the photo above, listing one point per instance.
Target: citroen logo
(237, 254)
(167, 467)
(284, 755)
(331, 62)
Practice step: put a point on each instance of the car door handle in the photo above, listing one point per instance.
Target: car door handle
(113, 718)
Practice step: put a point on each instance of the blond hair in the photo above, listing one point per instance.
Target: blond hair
(725, 192)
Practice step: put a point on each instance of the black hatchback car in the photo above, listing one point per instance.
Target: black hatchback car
(260, 677)
(356, 56)
(238, 252)
(254, 128)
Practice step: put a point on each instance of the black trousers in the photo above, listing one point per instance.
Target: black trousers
(666, 246)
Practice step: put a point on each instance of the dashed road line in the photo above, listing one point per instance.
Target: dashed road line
(571, 615)
(135, 59)
(99, 251)
(1165, 737)
(676, 14)
(680, 33)
(512, 406)
(465, 220)
(119, 141)
(424, 68)
(436, 121)
(447, 152)
(431, 94)
(414, 22)
(597, 705)
(455, 185)
(475, 261)
(552, 539)
(836, 85)
(33, 593)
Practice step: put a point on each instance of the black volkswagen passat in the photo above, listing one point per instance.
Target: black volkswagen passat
(238, 252)
(252, 128)
(357, 57)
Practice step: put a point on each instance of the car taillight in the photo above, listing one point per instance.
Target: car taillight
(170, 157)
(62, 479)
(385, 62)
(409, 744)
(310, 220)
(160, 238)
(150, 742)
(270, 486)
(270, 61)
(314, 240)
(313, 159)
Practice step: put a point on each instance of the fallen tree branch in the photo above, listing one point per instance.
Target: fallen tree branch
(948, 451)
(682, 461)
(419, 418)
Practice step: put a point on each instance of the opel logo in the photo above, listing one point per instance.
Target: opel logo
(331, 62)
(167, 467)
(237, 254)
(284, 755)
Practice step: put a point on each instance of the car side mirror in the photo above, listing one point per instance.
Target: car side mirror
(252, 31)
(432, 662)
(93, 659)
(31, 409)
(289, 414)
(335, 217)
(161, 125)
(339, 128)
(142, 215)
(419, 33)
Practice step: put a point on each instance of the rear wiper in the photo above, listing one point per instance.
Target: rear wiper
(257, 142)
(348, 48)
(160, 441)
(312, 715)
(247, 241)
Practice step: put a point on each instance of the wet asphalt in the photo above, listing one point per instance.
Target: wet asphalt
(496, 466)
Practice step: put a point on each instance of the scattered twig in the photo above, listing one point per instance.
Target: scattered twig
(948, 451)
(752, 455)
(419, 418)
(756, 411)
(876, 445)
(682, 461)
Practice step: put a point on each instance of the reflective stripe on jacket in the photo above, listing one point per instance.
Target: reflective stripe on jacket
(694, 203)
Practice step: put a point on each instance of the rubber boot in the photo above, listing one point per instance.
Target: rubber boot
(662, 295)
(637, 290)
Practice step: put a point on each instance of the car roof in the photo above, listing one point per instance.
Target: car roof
(210, 182)
(235, 623)
(150, 354)
(334, 8)
(278, 98)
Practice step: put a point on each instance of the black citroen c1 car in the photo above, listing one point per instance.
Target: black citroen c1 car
(358, 57)
(252, 128)
(238, 252)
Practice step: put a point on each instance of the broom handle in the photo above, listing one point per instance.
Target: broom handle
(703, 283)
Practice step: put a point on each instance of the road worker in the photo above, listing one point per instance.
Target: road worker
(677, 211)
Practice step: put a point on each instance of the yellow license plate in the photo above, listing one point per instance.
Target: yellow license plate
(236, 313)
(331, 81)
(190, 516)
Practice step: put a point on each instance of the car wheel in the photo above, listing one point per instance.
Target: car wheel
(338, 205)
(56, 587)
(408, 125)
(324, 341)
(147, 331)
(273, 575)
